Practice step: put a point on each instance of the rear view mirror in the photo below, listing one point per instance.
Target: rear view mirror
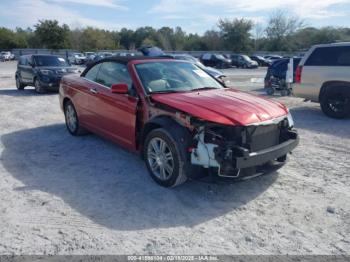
(120, 88)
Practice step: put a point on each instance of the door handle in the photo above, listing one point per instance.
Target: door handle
(93, 90)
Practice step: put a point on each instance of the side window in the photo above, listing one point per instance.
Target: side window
(344, 56)
(206, 56)
(113, 73)
(92, 73)
(321, 56)
(330, 56)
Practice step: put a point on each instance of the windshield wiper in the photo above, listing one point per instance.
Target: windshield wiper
(204, 88)
(166, 91)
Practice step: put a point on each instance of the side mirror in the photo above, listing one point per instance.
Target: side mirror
(120, 88)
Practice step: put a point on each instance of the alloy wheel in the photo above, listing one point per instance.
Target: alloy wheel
(71, 118)
(337, 103)
(160, 158)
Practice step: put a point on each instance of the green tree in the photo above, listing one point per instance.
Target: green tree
(127, 38)
(236, 34)
(97, 39)
(51, 35)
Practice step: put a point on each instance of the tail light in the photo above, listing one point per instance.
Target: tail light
(298, 74)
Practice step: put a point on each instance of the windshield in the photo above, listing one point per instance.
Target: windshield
(168, 77)
(221, 57)
(246, 58)
(49, 61)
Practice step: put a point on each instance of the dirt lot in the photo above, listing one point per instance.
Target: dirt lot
(65, 195)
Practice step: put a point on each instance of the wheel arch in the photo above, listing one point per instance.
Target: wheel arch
(332, 84)
(162, 121)
(64, 102)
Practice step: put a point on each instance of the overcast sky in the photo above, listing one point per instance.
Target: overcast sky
(194, 16)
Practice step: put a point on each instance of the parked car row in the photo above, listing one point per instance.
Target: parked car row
(237, 60)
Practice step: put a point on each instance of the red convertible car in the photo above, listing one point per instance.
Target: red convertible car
(178, 117)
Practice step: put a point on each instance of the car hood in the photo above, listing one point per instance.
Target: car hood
(224, 106)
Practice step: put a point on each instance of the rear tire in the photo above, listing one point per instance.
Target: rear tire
(284, 92)
(270, 91)
(166, 158)
(72, 120)
(335, 102)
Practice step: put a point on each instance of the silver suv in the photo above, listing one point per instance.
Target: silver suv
(323, 76)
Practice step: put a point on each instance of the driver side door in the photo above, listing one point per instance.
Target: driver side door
(114, 115)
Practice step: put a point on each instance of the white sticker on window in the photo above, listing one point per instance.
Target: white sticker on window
(201, 73)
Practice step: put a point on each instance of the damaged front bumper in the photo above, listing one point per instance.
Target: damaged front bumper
(248, 149)
(249, 159)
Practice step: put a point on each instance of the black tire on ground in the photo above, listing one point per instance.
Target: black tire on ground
(284, 92)
(38, 88)
(176, 156)
(270, 91)
(72, 120)
(335, 102)
(19, 84)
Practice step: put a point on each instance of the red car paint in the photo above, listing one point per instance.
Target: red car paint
(120, 117)
(224, 106)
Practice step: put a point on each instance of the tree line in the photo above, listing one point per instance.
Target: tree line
(283, 32)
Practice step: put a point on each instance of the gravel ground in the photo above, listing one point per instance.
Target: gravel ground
(66, 195)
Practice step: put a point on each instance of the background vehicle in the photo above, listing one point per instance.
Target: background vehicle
(77, 58)
(260, 60)
(178, 116)
(275, 78)
(272, 58)
(7, 56)
(44, 72)
(210, 70)
(98, 56)
(89, 54)
(125, 54)
(243, 61)
(323, 76)
(215, 60)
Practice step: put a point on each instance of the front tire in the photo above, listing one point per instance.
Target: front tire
(165, 157)
(38, 88)
(72, 120)
(270, 91)
(335, 103)
(19, 84)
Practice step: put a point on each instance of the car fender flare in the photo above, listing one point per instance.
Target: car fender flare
(332, 84)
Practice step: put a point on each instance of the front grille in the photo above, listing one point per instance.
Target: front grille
(263, 137)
